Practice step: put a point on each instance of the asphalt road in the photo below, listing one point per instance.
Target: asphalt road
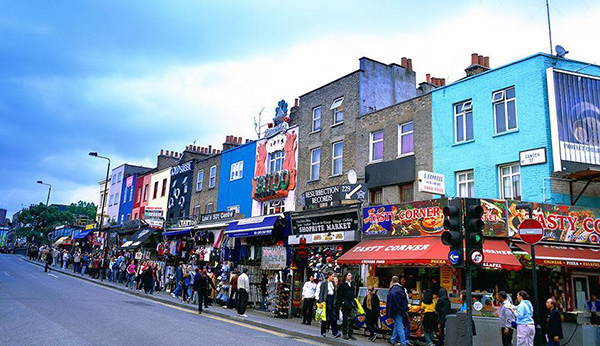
(41, 309)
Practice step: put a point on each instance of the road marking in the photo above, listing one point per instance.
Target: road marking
(5, 273)
(53, 275)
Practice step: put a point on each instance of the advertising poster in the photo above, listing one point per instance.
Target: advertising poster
(274, 257)
(410, 219)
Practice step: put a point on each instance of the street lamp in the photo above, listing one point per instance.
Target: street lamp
(95, 154)
(49, 189)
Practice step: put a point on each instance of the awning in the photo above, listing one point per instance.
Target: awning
(138, 238)
(564, 255)
(254, 226)
(213, 225)
(83, 234)
(61, 241)
(171, 232)
(423, 251)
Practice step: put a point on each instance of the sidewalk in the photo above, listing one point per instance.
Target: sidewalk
(292, 327)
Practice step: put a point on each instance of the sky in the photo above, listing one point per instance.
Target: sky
(129, 78)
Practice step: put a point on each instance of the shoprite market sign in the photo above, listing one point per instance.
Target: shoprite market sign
(344, 221)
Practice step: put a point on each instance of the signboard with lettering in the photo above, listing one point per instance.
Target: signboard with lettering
(274, 258)
(154, 217)
(431, 182)
(344, 221)
(182, 178)
(409, 219)
(532, 157)
(218, 216)
(324, 195)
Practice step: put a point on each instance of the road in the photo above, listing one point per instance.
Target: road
(41, 309)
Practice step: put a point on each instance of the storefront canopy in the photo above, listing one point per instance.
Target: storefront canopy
(83, 234)
(171, 232)
(61, 241)
(564, 255)
(138, 238)
(423, 251)
(255, 226)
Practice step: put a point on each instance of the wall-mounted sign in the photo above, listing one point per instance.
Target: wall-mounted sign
(532, 157)
(220, 215)
(345, 221)
(324, 195)
(154, 217)
(180, 191)
(431, 183)
(274, 258)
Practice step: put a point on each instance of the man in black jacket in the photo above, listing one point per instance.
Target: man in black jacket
(326, 293)
(554, 332)
(201, 285)
(345, 298)
(397, 306)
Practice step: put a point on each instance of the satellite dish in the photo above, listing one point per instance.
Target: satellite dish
(352, 176)
(560, 51)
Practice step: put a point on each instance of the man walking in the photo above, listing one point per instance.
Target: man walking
(326, 294)
(48, 262)
(76, 262)
(506, 319)
(345, 296)
(554, 333)
(243, 289)
(308, 300)
(178, 278)
(201, 285)
(397, 305)
(233, 294)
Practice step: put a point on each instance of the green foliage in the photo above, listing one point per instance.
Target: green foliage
(83, 209)
(39, 220)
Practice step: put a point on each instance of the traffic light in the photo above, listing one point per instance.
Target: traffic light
(453, 234)
(474, 232)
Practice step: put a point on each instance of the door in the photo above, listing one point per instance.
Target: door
(580, 291)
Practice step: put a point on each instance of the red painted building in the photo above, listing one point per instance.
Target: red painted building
(142, 195)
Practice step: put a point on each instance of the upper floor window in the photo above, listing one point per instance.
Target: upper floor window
(213, 177)
(125, 195)
(131, 192)
(235, 208)
(376, 196)
(237, 170)
(210, 208)
(199, 181)
(184, 184)
(337, 158)
(119, 177)
(275, 206)
(510, 181)
(463, 122)
(110, 199)
(338, 111)
(146, 192)
(155, 190)
(405, 139)
(276, 161)
(164, 188)
(138, 198)
(465, 184)
(114, 179)
(505, 110)
(197, 209)
(315, 163)
(376, 147)
(406, 192)
(316, 119)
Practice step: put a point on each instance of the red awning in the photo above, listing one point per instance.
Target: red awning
(564, 255)
(423, 251)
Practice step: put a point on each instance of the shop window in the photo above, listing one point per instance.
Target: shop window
(510, 181)
(465, 184)
(406, 192)
(213, 177)
(405, 139)
(316, 120)
(155, 193)
(273, 207)
(376, 147)
(146, 192)
(376, 196)
(276, 161)
(199, 180)
(463, 122)
(163, 192)
(505, 110)
(315, 163)
(337, 158)
(338, 111)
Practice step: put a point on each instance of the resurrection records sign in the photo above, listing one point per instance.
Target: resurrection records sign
(338, 222)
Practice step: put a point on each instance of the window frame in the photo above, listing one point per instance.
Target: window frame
(274, 161)
(315, 163)
(212, 178)
(138, 198)
(210, 208)
(155, 193)
(373, 193)
(402, 134)
(466, 108)
(200, 180)
(467, 181)
(236, 171)
(235, 208)
(371, 143)
(314, 119)
(146, 192)
(197, 209)
(501, 177)
(334, 158)
(505, 100)
(163, 191)
(337, 110)
(269, 207)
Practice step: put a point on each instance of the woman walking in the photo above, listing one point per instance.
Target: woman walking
(524, 314)
(429, 317)
(442, 307)
(372, 311)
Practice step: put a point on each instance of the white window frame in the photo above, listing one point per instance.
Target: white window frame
(199, 180)
(119, 176)
(273, 160)
(111, 199)
(466, 107)
(511, 174)
(270, 207)
(235, 208)
(334, 158)
(500, 97)
(146, 192)
(212, 181)
(237, 171)
(210, 207)
(337, 108)
(315, 163)
(371, 142)
(465, 182)
(197, 209)
(402, 134)
(314, 119)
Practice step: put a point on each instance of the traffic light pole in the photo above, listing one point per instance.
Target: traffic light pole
(469, 300)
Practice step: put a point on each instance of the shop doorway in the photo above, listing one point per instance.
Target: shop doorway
(581, 289)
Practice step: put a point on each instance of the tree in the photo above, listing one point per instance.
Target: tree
(83, 209)
(39, 220)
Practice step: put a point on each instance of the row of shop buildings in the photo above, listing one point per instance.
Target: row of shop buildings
(356, 173)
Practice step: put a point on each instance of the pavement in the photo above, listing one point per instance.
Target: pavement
(81, 294)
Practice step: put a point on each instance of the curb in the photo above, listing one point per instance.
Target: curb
(317, 338)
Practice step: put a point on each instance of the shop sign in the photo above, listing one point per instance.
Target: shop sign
(446, 278)
(345, 221)
(220, 215)
(274, 257)
(131, 224)
(532, 157)
(272, 185)
(90, 226)
(409, 219)
(324, 195)
(328, 237)
(431, 183)
(153, 213)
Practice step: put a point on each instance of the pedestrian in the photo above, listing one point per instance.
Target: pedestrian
(326, 293)
(202, 283)
(48, 262)
(65, 258)
(397, 306)
(77, 262)
(263, 293)
(84, 263)
(185, 285)
(309, 291)
(593, 306)
(372, 311)
(507, 317)
(429, 317)
(178, 279)
(147, 277)
(524, 314)
(406, 320)
(153, 267)
(233, 291)
(243, 283)
(345, 297)
(554, 327)
(443, 309)
(104, 265)
(130, 275)
(95, 267)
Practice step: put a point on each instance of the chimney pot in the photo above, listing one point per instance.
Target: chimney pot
(443, 81)
(409, 64)
(237, 140)
(486, 61)
(209, 149)
(403, 62)
(248, 140)
(228, 139)
(474, 59)
(161, 152)
(428, 77)
(168, 153)
(295, 102)
(480, 58)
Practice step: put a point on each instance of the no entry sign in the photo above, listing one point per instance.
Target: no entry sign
(531, 231)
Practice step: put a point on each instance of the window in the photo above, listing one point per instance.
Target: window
(276, 161)
(122, 218)
(197, 209)
(376, 196)
(155, 190)
(235, 208)
(135, 216)
(316, 121)
(119, 177)
(406, 192)
(210, 208)
(199, 181)
(273, 207)
(510, 181)
(110, 199)
(237, 170)
(376, 147)
(128, 217)
(337, 158)
(505, 110)
(114, 179)
(338, 111)
(125, 195)
(130, 192)
(146, 192)
(213, 177)
(184, 185)
(164, 188)
(138, 198)
(463, 122)
(405, 139)
(465, 184)
(315, 163)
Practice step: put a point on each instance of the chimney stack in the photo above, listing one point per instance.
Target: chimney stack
(479, 64)
(161, 152)
(409, 64)
(403, 62)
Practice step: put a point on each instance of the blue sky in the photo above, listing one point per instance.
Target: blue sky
(128, 78)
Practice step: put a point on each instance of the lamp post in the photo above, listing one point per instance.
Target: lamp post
(49, 189)
(95, 154)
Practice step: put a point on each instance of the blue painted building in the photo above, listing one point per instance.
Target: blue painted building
(126, 199)
(235, 180)
(527, 130)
